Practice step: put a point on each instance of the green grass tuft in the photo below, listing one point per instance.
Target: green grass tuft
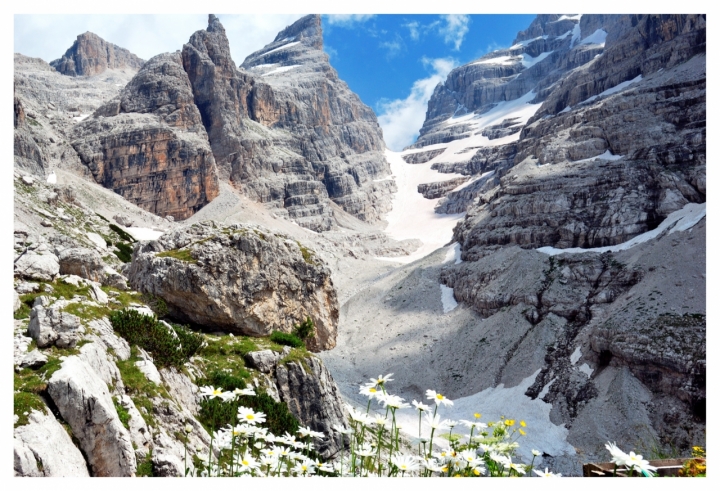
(307, 254)
(179, 254)
(214, 413)
(123, 415)
(286, 339)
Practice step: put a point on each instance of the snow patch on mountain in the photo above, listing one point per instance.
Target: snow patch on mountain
(678, 221)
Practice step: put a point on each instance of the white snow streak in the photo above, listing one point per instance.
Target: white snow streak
(447, 295)
(607, 155)
(280, 70)
(284, 46)
(575, 35)
(597, 37)
(142, 233)
(570, 17)
(500, 60)
(529, 61)
(677, 221)
(412, 216)
(52, 178)
(575, 355)
(453, 253)
(612, 90)
(585, 368)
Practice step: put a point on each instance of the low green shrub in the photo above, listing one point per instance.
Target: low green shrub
(148, 333)
(124, 252)
(305, 329)
(286, 339)
(214, 413)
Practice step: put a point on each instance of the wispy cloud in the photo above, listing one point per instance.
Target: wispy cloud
(348, 20)
(331, 52)
(401, 119)
(414, 28)
(393, 48)
(454, 28)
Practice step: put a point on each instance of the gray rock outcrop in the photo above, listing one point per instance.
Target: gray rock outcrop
(617, 144)
(240, 279)
(43, 448)
(92, 55)
(311, 395)
(37, 266)
(85, 403)
(52, 326)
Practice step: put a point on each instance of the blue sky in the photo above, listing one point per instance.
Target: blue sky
(392, 61)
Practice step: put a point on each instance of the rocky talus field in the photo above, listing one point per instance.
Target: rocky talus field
(538, 253)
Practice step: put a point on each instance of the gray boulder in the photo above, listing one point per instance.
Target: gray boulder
(114, 279)
(51, 326)
(244, 280)
(82, 262)
(264, 360)
(16, 301)
(123, 220)
(34, 266)
(34, 359)
(43, 448)
(85, 403)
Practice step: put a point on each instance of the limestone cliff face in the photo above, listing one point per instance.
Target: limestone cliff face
(617, 143)
(285, 129)
(149, 144)
(618, 163)
(92, 55)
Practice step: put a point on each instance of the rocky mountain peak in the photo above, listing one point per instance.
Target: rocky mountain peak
(308, 30)
(548, 25)
(91, 55)
(214, 24)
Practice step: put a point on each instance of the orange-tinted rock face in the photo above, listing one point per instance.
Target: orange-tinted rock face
(149, 144)
(151, 166)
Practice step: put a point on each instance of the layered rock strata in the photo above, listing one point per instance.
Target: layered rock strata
(239, 279)
(92, 55)
(149, 144)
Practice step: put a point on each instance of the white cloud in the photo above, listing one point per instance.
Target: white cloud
(144, 35)
(454, 29)
(401, 119)
(414, 28)
(347, 20)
